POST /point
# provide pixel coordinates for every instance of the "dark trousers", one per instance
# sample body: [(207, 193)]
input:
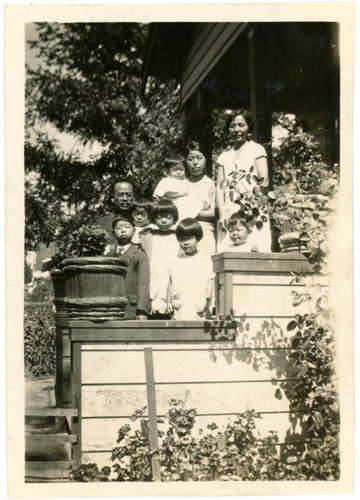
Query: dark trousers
[(130, 311)]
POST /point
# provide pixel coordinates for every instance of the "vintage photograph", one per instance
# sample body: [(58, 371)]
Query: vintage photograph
[(182, 181)]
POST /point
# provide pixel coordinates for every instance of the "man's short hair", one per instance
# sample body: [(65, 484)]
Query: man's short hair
[(122, 217), (123, 181)]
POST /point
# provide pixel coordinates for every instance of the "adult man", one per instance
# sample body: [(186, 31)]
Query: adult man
[(122, 200)]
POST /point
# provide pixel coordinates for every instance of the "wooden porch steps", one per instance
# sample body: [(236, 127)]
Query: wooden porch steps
[(48, 444), (45, 472)]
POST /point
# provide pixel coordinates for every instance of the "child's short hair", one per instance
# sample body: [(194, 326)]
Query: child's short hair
[(162, 207), (234, 219), (189, 227), (142, 203), (124, 217), (172, 160)]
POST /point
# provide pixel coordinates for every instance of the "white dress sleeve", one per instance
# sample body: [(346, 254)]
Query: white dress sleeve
[(161, 188), (258, 151)]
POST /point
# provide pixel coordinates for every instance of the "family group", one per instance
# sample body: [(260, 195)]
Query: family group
[(168, 241)]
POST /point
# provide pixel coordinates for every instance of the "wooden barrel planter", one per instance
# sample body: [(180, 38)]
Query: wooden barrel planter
[(95, 287), (58, 279)]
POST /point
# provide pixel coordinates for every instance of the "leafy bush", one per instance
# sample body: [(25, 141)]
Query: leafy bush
[(310, 217), (252, 203), (305, 190), (315, 390), (297, 159), (82, 241), (89, 473), (39, 329), (39, 340)]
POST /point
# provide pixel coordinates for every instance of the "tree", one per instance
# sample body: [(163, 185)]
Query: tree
[(88, 84)]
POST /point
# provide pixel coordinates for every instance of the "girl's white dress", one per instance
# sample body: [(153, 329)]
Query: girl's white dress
[(188, 205), (243, 159), (137, 232), (190, 277), (163, 252), (204, 191)]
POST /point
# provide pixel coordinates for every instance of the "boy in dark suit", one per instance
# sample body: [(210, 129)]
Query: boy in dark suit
[(137, 278)]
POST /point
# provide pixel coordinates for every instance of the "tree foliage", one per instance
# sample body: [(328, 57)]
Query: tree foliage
[(88, 84)]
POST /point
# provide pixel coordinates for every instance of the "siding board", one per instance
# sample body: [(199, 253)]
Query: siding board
[(206, 398), (179, 366)]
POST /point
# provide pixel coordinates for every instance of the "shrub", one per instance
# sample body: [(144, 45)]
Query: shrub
[(39, 340), (89, 473), (39, 329), (315, 390), (79, 239)]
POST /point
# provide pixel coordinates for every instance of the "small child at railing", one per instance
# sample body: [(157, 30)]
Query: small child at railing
[(191, 275), (141, 214), (175, 187), (238, 232)]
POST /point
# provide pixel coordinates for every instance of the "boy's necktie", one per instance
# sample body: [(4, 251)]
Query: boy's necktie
[(120, 250)]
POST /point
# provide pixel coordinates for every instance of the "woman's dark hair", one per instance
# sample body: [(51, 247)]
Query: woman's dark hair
[(162, 207), (142, 203), (196, 146), (234, 219), (172, 160), (189, 227), (247, 115)]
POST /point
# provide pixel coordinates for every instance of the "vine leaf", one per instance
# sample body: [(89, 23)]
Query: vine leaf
[(278, 393)]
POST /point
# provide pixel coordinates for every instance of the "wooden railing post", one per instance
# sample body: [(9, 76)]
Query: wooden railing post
[(151, 400), (76, 401)]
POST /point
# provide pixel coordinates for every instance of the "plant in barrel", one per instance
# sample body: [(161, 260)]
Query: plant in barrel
[(93, 286)]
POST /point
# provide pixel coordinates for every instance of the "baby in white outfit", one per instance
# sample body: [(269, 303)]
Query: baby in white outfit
[(238, 237), (175, 187)]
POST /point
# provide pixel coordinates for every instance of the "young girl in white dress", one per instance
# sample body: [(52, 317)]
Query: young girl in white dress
[(161, 246), (176, 188), (191, 275)]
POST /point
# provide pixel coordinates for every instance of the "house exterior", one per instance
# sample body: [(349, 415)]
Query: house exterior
[(290, 67)]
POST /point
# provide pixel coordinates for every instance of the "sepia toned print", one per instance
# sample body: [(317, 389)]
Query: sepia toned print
[(182, 258)]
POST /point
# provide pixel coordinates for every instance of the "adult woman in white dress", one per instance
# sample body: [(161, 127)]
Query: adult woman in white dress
[(203, 188), (250, 157)]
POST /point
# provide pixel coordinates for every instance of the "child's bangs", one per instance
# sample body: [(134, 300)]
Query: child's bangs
[(165, 207), (142, 203), (189, 227)]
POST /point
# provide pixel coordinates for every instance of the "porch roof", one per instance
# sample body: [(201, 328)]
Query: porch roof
[(294, 61)]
